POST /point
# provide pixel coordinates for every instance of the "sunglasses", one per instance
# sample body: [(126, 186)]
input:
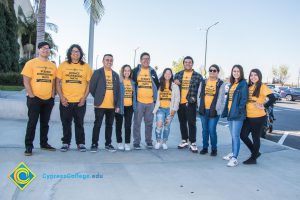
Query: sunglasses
[(213, 70)]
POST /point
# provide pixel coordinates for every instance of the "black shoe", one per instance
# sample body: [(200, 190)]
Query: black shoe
[(250, 161), (213, 152), (149, 145), (204, 151), (110, 148), (94, 148), (48, 147), (137, 146), (256, 156), (64, 148), (81, 148), (28, 151)]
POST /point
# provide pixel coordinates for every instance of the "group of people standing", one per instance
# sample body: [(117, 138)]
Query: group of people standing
[(138, 93)]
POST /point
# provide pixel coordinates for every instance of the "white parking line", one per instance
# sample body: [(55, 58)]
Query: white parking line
[(281, 141)]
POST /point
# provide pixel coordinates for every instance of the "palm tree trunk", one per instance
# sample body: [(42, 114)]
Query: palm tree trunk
[(91, 41), (41, 20)]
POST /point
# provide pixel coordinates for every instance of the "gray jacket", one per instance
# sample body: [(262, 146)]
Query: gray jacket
[(98, 87), (175, 99)]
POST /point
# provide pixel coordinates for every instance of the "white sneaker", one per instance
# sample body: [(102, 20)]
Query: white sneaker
[(194, 148), (164, 146), (232, 162), (157, 145), (228, 156), (127, 147), (120, 147)]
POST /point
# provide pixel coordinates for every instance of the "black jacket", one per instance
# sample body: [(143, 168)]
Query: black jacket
[(98, 87)]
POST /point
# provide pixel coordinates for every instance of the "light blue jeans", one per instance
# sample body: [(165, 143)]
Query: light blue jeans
[(235, 131), (163, 116)]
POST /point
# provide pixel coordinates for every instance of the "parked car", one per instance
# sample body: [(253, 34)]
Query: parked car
[(281, 88), (271, 86), (277, 95), (291, 94)]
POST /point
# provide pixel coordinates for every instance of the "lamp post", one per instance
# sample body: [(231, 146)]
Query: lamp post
[(135, 56), (206, 43), (97, 61)]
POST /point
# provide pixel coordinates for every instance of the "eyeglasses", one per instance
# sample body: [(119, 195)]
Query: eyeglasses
[(45, 49), (213, 70)]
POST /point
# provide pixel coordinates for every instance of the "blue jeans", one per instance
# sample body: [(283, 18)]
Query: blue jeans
[(235, 130), (163, 116), (209, 126)]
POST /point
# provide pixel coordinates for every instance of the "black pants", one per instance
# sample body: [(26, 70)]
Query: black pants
[(187, 116), (109, 120), (67, 114), (128, 112), (255, 126), (38, 108)]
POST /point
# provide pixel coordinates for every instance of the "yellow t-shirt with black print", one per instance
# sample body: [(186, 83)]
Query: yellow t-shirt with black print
[(252, 110), (74, 80), (145, 92), (185, 85), (165, 97), (42, 74), (108, 101), (127, 93), (210, 92), (230, 93)]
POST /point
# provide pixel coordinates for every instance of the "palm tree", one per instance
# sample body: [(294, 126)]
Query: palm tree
[(95, 9), (41, 21), (27, 27)]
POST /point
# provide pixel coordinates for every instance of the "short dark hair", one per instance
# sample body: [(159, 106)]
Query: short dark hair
[(144, 54), (110, 55), (215, 66), (188, 58), (41, 44), (242, 77), (122, 70), (69, 52)]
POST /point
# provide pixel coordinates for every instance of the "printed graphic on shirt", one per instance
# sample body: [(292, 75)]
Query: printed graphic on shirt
[(210, 91), (165, 97), (108, 101), (231, 92), (185, 85), (127, 93), (145, 92)]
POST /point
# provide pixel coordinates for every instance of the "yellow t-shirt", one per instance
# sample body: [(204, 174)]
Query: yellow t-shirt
[(145, 92), (127, 93), (210, 91), (165, 97), (108, 101), (252, 110), (186, 79), (231, 91), (74, 80), (42, 74)]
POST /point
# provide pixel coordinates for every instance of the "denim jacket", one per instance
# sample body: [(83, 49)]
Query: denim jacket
[(154, 79), (239, 99), (122, 93)]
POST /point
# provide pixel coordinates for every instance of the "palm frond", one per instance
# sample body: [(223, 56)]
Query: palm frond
[(94, 8), (52, 27)]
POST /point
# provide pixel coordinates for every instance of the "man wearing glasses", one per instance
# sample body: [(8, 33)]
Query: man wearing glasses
[(39, 81), (105, 88), (72, 86), (147, 84)]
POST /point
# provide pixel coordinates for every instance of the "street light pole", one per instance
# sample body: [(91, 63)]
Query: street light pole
[(97, 61), (206, 43), (135, 56)]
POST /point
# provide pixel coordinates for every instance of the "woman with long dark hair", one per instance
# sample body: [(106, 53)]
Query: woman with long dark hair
[(256, 115), (127, 107), (235, 111), (167, 104)]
